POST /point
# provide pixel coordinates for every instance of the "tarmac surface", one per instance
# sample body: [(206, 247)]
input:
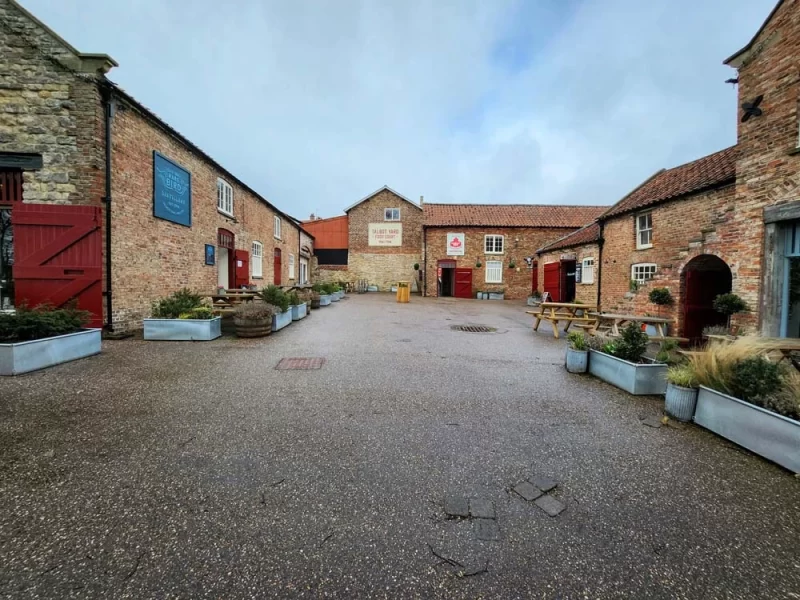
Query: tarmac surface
[(198, 470)]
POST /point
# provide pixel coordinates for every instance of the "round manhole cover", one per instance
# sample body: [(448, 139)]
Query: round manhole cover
[(474, 328)]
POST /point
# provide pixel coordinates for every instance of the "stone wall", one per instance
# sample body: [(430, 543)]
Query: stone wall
[(383, 266), (584, 292), (520, 242)]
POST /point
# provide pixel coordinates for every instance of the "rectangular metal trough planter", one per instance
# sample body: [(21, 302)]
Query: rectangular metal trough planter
[(766, 433), (298, 312), (324, 299), (639, 380), (23, 357), (281, 320), (495, 296), (183, 330)]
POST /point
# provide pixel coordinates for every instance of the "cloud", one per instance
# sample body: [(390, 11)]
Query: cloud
[(317, 103)]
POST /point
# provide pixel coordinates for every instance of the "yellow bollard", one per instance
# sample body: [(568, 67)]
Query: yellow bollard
[(403, 291)]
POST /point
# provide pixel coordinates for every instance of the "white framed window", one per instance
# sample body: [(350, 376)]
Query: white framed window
[(493, 244), (277, 227), (257, 259), (644, 231), (494, 271), (643, 272), (303, 270), (291, 266), (224, 197), (391, 214), (587, 270)]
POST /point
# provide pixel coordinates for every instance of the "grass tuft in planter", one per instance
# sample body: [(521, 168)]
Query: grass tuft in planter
[(681, 395), (577, 352)]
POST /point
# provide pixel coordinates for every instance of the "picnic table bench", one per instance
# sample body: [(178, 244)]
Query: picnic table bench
[(226, 303), (562, 311), (610, 324)]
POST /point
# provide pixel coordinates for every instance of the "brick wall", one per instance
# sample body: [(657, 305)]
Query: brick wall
[(383, 266), (152, 257), (520, 242), (584, 292)]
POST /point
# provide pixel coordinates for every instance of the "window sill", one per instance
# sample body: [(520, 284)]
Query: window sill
[(494, 253), (644, 247), (257, 277), (225, 214)]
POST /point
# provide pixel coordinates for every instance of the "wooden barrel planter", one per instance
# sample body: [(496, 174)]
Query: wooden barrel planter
[(251, 328)]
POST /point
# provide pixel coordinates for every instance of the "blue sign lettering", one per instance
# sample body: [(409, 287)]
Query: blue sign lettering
[(172, 191)]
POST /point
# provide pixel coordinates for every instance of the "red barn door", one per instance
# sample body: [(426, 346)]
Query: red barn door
[(552, 280), (242, 268), (276, 276), (463, 283), (58, 257)]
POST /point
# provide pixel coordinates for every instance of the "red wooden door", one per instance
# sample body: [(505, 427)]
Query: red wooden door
[(276, 273), (58, 257), (242, 262), (535, 277), (698, 307), (552, 280), (463, 283)]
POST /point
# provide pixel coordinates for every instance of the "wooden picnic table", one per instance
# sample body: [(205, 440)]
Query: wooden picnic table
[(613, 322), (562, 311), (228, 300)]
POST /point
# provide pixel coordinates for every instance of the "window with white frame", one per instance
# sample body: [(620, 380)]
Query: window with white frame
[(494, 271), (224, 197), (643, 272), (291, 266), (644, 231), (277, 231), (303, 270), (391, 214), (587, 270), (257, 259), (493, 244)]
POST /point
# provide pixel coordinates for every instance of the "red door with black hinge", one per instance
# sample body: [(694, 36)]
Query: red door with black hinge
[(276, 273), (58, 257), (552, 280), (242, 263), (463, 283)]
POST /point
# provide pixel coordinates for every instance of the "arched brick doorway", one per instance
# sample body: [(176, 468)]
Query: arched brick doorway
[(703, 278)]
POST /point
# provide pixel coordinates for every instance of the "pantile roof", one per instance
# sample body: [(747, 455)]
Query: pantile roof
[(509, 215)]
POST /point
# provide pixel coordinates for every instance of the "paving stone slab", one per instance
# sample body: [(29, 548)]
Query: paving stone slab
[(481, 508), (654, 422), (456, 506), (544, 483), (487, 530), (550, 505), (527, 490)]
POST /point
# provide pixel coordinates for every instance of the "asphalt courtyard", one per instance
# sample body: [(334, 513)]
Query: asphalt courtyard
[(198, 470)]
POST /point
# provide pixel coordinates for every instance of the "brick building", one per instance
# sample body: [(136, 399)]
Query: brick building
[(331, 242), (177, 218), (577, 252), (485, 247)]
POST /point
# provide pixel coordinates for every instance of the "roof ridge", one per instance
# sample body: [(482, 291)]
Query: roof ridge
[(567, 236), (496, 204), (697, 160)]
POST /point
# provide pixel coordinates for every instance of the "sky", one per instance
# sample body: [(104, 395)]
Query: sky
[(317, 103)]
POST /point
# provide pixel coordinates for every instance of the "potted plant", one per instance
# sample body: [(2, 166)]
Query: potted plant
[(274, 295), (729, 305), (32, 339), (324, 293), (253, 319), (297, 306), (512, 264), (333, 290), (182, 317), (499, 295), (577, 352), (315, 299), (749, 399), (681, 395), (621, 362), (478, 264)]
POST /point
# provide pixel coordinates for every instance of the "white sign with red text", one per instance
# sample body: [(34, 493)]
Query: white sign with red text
[(455, 244), (385, 234)]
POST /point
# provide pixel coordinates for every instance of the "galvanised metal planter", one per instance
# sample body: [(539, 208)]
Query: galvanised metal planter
[(298, 311), (281, 320), (766, 433), (341, 294), (23, 357), (335, 297), (183, 330), (493, 296), (324, 299), (637, 379), (577, 360), (680, 402)]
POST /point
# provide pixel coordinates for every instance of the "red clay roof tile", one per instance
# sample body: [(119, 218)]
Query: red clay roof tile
[(588, 234), (509, 215)]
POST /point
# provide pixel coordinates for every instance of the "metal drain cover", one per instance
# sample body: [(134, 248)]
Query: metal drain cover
[(300, 364), (473, 328)]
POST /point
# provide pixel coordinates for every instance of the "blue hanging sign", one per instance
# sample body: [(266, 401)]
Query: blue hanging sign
[(172, 191)]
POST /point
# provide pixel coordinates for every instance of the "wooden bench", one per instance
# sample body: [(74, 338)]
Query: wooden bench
[(553, 312)]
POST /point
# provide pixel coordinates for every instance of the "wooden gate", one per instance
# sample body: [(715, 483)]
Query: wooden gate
[(552, 280), (463, 283), (276, 273), (242, 268), (58, 257)]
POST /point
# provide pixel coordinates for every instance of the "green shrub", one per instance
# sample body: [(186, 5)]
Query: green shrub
[(729, 304), (661, 297), (633, 343), (755, 379), (294, 299), (668, 353), (577, 341), (682, 376), (181, 302), (201, 312), (41, 322), (255, 311), (274, 295), (319, 288)]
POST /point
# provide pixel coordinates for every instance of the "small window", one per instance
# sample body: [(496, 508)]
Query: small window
[(644, 231), (257, 261), (643, 272), (391, 214), (494, 271), (277, 232), (493, 244), (224, 197), (587, 270), (291, 266), (303, 271)]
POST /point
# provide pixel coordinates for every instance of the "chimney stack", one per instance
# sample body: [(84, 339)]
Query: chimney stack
[(422, 200)]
